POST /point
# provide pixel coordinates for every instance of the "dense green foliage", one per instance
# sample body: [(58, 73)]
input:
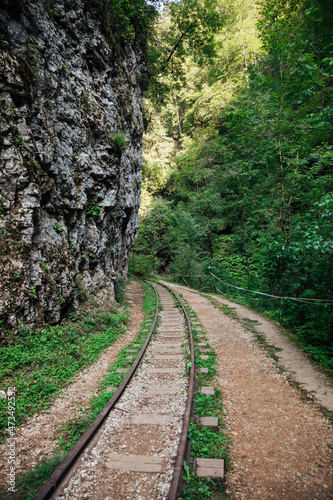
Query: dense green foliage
[(238, 171), (124, 20)]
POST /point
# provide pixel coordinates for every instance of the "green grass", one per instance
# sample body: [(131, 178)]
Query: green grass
[(197, 488), (41, 362), (207, 443), (29, 483)]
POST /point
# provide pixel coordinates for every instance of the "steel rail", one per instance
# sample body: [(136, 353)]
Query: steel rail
[(178, 470), (54, 480)]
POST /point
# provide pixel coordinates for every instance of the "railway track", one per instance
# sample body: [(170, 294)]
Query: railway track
[(136, 446)]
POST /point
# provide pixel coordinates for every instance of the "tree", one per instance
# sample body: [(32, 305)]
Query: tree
[(250, 168)]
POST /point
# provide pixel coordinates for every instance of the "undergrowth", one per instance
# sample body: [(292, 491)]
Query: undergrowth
[(29, 483), (39, 363)]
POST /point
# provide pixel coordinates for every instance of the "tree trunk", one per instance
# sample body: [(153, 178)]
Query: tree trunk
[(210, 240), (245, 247)]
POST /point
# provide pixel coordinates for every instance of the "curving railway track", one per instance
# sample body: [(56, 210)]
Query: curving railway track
[(136, 446)]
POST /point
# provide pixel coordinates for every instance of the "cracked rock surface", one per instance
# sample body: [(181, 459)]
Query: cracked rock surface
[(71, 139)]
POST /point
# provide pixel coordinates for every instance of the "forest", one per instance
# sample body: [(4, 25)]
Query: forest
[(237, 176), (236, 192)]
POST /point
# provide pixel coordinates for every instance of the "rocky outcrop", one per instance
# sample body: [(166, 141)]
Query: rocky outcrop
[(70, 132)]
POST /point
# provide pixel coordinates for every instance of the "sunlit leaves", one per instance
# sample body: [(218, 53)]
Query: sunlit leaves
[(251, 182)]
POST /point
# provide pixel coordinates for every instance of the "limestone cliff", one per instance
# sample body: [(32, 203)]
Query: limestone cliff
[(70, 136)]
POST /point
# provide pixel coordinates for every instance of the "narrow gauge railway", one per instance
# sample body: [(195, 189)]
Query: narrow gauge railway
[(136, 446)]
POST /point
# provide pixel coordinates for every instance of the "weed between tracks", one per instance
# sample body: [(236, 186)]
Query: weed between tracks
[(205, 442), (29, 483)]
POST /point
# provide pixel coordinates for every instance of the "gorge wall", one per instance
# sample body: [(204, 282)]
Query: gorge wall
[(70, 137)]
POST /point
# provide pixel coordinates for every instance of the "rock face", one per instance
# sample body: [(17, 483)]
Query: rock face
[(70, 136)]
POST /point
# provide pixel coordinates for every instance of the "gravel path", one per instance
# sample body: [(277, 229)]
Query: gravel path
[(37, 437), (282, 444), (129, 430)]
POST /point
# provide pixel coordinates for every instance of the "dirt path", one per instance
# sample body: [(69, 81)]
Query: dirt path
[(282, 444), (37, 437), (296, 364)]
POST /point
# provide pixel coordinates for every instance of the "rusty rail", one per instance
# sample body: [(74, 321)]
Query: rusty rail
[(178, 470), (54, 480)]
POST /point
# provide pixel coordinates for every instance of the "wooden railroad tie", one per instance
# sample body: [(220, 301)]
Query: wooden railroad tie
[(153, 419), (161, 371), (167, 345), (136, 463), (208, 390), (209, 422), (210, 467), (161, 391), (167, 331), (203, 370), (171, 357), (169, 337)]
